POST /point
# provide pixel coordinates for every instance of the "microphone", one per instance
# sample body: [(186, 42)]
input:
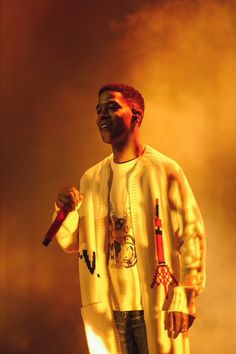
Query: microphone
[(52, 231)]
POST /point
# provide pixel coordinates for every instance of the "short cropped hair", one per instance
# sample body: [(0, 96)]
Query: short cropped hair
[(128, 92)]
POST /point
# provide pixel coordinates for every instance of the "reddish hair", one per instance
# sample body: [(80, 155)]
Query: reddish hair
[(128, 92)]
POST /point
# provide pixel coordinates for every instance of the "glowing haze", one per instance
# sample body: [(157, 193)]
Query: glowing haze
[(181, 56)]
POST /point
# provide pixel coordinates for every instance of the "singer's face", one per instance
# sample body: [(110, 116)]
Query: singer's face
[(114, 118)]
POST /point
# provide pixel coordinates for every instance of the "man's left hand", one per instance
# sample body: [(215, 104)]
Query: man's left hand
[(178, 322)]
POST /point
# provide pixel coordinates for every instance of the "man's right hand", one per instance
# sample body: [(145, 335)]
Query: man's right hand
[(69, 198)]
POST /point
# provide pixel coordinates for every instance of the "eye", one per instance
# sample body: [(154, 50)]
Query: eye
[(113, 106), (98, 109)]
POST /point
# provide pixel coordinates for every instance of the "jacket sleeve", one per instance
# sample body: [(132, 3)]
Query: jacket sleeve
[(68, 235), (190, 237)]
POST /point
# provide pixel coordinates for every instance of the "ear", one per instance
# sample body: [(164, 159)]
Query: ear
[(137, 116)]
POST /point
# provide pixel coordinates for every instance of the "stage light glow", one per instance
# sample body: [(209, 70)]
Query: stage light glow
[(96, 344)]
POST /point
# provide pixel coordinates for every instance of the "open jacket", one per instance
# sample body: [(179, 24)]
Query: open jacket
[(154, 176)]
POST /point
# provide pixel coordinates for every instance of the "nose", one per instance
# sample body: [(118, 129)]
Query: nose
[(102, 117), (103, 114)]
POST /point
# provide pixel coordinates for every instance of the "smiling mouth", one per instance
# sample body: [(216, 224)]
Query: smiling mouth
[(105, 126)]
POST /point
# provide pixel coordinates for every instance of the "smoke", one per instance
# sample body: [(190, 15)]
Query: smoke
[(181, 55)]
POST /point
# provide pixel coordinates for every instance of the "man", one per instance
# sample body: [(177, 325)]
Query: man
[(111, 225)]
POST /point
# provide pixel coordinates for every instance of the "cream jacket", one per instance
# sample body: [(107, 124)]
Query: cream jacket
[(154, 176)]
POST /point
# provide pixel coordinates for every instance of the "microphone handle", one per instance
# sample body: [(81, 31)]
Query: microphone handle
[(52, 231)]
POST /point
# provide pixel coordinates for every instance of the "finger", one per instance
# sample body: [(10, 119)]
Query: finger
[(77, 198), (185, 323), (69, 191), (74, 192), (81, 196), (191, 320), (171, 325), (78, 201), (69, 198), (177, 323)]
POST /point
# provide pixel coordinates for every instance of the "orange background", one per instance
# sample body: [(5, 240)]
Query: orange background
[(54, 57)]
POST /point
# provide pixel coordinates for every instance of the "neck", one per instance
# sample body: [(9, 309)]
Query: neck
[(127, 150)]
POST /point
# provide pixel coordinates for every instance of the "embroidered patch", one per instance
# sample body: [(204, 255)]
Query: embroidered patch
[(162, 275), (121, 249), (91, 266)]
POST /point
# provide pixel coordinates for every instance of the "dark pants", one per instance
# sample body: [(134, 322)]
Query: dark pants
[(132, 331)]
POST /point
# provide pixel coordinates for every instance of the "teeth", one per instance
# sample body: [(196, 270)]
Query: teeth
[(104, 126)]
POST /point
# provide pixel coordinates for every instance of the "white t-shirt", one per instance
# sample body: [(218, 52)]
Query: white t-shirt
[(122, 258)]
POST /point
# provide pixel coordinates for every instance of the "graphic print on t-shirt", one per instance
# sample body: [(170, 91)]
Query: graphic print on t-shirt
[(122, 252)]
